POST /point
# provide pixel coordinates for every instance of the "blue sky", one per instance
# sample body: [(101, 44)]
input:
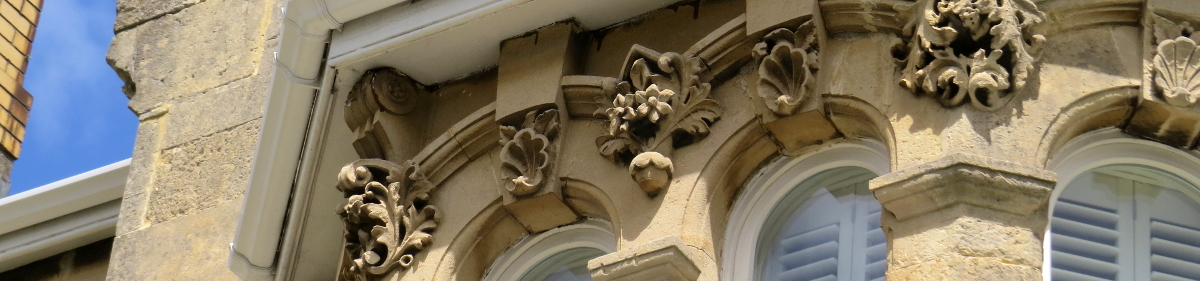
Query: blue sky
[(79, 120)]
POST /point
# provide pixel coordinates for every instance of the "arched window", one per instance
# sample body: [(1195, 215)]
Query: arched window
[(1125, 209), (810, 218), (559, 254)]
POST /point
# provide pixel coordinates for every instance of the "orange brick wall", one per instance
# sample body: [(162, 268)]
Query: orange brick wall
[(17, 28)]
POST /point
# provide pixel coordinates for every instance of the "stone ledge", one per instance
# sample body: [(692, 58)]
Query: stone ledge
[(964, 179), (666, 258)]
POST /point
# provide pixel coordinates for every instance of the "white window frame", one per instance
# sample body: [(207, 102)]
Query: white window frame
[(771, 184), (531, 250), (1109, 147)]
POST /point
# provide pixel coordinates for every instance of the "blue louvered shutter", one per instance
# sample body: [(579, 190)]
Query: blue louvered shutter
[(1124, 226), (833, 235)]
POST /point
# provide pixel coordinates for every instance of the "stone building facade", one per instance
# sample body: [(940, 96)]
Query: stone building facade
[(652, 140)]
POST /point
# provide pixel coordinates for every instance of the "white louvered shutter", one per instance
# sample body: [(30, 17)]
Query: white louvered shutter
[(833, 235), (1118, 226)]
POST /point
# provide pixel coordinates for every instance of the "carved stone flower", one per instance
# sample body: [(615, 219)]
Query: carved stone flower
[(1177, 71), (653, 103)]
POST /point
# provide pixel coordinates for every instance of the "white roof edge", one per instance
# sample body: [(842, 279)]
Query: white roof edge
[(62, 215), (78, 192)]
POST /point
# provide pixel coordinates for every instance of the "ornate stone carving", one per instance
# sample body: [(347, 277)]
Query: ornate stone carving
[(1176, 62), (661, 103), (380, 90), (526, 152), (388, 218), (976, 51), (787, 67)]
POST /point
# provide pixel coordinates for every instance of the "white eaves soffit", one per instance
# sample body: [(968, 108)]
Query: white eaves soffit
[(433, 41)]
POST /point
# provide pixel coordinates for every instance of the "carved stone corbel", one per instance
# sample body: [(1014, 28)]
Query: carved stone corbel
[(376, 102), (530, 188), (1167, 109), (387, 216), (661, 103), (787, 86), (970, 51)]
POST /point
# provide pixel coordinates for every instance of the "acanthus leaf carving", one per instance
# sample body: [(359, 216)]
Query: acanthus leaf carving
[(663, 104), (1176, 62), (387, 217), (788, 62), (971, 51), (526, 152)]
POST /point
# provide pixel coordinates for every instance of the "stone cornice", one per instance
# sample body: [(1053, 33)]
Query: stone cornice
[(964, 179)]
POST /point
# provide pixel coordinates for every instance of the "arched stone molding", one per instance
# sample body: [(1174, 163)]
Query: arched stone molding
[(531, 250), (1106, 147), (1099, 110), (493, 230), (755, 202)]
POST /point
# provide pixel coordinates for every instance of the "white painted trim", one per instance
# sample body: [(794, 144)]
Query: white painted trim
[(436, 41), (61, 216), (771, 184), (1108, 147), (531, 250)]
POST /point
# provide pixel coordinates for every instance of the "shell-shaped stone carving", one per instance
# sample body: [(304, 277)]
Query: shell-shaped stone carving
[(387, 216), (786, 72), (1177, 71), (526, 151)]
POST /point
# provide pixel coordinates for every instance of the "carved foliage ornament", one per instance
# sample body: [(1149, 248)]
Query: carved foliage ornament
[(1176, 62), (663, 104), (976, 51), (387, 216), (526, 151), (787, 68)]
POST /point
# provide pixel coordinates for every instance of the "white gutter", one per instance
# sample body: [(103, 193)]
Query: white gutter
[(61, 216), (298, 63)]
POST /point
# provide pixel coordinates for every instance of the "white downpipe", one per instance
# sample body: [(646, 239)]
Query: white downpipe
[(288, 114)]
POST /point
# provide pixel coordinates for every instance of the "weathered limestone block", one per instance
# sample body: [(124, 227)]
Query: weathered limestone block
[(194, 247), (666, 258), (215, 110), (134, 12), (201, 47), (531, 68), (141, 175), (963, 217), (202, 173)]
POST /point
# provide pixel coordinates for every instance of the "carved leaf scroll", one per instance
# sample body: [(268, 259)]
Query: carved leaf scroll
[(663, 103), (788, 63), (387, 216), (971, 51), (526, 151), (1176, 62)]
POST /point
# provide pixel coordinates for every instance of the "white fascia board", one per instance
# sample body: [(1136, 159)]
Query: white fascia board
[(436, 41), (61, 216), (63, 197)]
